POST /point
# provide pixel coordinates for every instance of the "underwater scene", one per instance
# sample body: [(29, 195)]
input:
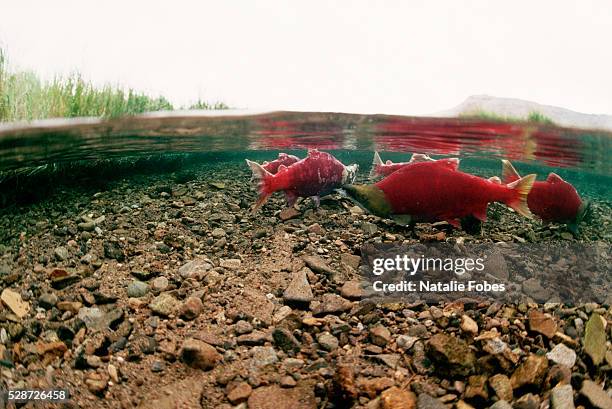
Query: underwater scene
[(249, 261)]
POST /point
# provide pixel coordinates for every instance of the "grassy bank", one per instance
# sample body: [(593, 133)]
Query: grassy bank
[(534, 116), (24, 96)]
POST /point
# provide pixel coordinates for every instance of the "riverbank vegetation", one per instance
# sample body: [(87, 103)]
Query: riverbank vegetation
[(24, 96), (533, 116)]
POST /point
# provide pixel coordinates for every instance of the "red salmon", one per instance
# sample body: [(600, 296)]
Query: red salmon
[(429, 192), (380, 168), (314, 176), (553, 200)]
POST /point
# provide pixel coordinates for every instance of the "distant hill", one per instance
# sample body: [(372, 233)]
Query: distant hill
[(520, 109)]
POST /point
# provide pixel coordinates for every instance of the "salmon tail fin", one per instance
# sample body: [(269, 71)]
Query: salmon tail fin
[(509, 174), (521, 188), (263, 179), (376, 162)]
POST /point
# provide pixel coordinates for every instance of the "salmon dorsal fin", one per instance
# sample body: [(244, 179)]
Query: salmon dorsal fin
[(313, 152), (454, 162), (554, 178), (420, 157), (509, 174), (388, 162), (282, 155), (377, 160)]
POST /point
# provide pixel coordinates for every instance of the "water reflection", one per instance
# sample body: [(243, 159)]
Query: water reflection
[(138, 136)]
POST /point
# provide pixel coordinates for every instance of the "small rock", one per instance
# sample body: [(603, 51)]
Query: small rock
[(530, 373), (164, 305), (332, 304), (113, 373), (318, 265), (191, 308), (12, 300), (263, 356), (195, 269), (87, 226), (239, 393), (596, 395), (218, 232), (562, 355), (298, 291), (274, 397), (477, 387), (96, 383), (113, 250), (380, 335), (327, 341), (350, 260), (562, 397), (369, 228), (469, 325), (502, 387), (47, 300), (287, 382), (284, 339), (595, 339), (527, 401), (137, 289), (61, 253), (288, 213), (159, 284), (406, 341), (199, 354), (429, 402), (217, 185), (352, 290), (157, 366), (501, 404), (243, 327), (542, 324), (451, 354), (396, 398), (72, 306)]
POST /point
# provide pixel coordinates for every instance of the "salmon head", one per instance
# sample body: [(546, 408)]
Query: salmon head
[(369, 197)]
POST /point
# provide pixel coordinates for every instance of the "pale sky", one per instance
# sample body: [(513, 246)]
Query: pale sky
[(397, 57)]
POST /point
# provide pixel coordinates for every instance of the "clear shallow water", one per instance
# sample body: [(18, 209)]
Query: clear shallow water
[(579, 156)]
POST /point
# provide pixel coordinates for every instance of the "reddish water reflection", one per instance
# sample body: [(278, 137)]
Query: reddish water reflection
[(438, 136)]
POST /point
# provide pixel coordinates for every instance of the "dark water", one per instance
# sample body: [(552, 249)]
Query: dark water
[(581, 157)]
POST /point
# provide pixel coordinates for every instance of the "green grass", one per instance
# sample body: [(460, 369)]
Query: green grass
[(534, 117), (24, 96)]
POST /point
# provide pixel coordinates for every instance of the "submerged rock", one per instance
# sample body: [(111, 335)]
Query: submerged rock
[(13, 301), (542, 324), (530, 373), (562, 355), (596, 395), (451, 355), (298, 291), (199, 354), (595, 339), (274, 397), (164, 305)]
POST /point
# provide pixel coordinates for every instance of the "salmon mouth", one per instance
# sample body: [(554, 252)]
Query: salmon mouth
[(585, 213)]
